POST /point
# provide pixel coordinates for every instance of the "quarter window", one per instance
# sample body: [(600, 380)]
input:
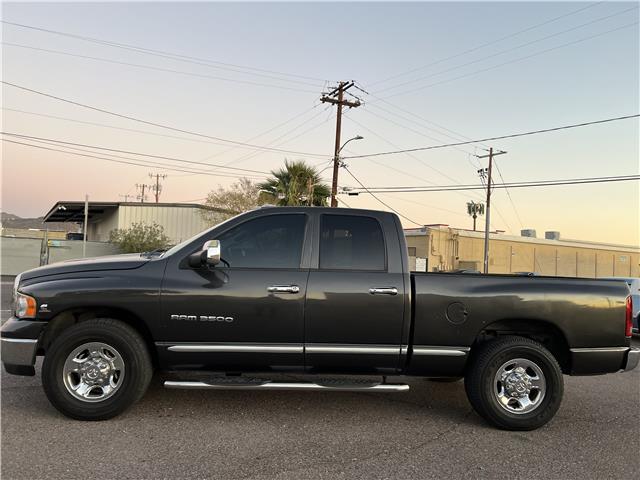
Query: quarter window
[(272, 241), (351, 243)]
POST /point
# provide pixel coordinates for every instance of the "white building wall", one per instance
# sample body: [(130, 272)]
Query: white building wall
[(100, 231), (180, 223)]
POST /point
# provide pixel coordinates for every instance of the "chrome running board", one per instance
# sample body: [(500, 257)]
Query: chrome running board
[(252, 384)]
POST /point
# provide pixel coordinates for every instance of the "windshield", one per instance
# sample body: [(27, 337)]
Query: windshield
[(186, 242)]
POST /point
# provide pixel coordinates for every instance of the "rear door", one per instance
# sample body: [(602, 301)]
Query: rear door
[(355, 295)]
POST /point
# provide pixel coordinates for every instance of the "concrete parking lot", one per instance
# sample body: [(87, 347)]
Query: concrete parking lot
[(428, 432)]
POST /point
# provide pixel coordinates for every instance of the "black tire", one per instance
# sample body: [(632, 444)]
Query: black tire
[(138, 368), (480, 382)]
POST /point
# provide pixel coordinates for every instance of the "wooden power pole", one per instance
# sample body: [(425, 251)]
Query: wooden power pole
[(336, 97), (157, 188), (487, 215)]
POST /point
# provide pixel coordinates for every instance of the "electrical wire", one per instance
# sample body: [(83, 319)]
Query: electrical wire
[(486, 44), (528, 184), (515, 60), (513, 205), (265, 133), (164, 54), (136, 163), (501, 137), (378, 199), (511, 49), (275, 142), (154, 68), (146, 122), (129, 152)]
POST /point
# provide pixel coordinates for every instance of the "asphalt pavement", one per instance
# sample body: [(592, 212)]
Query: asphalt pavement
[(428, 432)]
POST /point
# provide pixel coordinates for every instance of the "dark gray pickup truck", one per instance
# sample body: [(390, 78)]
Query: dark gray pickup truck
[(325, 294)]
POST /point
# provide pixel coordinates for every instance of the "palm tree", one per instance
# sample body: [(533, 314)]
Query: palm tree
[(296, 184)]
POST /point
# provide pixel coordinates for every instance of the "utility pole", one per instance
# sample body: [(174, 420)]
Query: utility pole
[(141, 188), (487, 218), (86, 221), (157, 188), (126, 197), (336, 97)]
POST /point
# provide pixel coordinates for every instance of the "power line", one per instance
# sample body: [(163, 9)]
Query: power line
[(146, 122), (519, 59), (511, 49), (266, 132), (502, 137), (164, 54), (419, 160), (158, 69), (418, 132), (378, 199), (528, 184), (129, 152), (147, 164), (509, 195), (275, 141), (492, 42), (255, 154), (164, 135)]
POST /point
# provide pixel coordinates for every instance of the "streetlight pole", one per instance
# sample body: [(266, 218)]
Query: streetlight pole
[(336, 166)]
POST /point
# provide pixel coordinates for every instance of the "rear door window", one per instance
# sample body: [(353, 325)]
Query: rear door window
[(350, 242)]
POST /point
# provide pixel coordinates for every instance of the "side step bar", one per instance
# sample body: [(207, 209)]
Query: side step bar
[(268, 385)]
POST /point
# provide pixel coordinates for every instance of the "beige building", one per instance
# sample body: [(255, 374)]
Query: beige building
[(441, 248), (179, 220)]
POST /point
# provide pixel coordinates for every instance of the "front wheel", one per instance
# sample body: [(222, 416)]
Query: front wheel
[(515, 383), (96, 369)]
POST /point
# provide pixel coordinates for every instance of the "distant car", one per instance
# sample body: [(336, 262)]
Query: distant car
[(634, 285), (75, 236)]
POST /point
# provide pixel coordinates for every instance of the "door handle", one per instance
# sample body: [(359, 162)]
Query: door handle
[(383, 291), (283, 289)]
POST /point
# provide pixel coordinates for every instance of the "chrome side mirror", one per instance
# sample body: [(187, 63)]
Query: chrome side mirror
[(211, 251)]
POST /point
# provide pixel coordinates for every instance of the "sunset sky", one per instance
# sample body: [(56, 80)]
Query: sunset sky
[(435, 73)]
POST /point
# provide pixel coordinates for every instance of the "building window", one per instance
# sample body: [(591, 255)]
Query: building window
[(412, 251)]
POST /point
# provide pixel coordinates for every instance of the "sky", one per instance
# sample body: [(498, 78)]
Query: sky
[(434, 73)]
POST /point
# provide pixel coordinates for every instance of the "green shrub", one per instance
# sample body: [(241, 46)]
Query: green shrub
[(140, 237)]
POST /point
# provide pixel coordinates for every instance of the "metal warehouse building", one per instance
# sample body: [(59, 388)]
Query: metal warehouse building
[(441, 248), (179, 220)]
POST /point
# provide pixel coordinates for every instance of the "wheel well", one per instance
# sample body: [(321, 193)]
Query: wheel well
[(544, 332), (70, 317)]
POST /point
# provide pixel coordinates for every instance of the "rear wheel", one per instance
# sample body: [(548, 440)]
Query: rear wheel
[(515, 383), (96, 369)]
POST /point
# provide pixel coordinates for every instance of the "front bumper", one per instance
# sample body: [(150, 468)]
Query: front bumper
[(633, 357), (19, 345)]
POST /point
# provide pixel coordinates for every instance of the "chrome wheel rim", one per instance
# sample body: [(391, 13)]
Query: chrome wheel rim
[(93, 372), (519, 386)]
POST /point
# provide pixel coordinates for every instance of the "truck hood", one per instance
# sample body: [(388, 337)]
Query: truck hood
[(111, 262)]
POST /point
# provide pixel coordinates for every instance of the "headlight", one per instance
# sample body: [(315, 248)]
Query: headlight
[(25, 306)]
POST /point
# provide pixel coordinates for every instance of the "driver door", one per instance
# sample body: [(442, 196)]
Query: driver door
[(247, 312)]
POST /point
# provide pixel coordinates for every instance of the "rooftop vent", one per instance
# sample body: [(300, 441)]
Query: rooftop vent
[(552, 235), (528, 232)]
